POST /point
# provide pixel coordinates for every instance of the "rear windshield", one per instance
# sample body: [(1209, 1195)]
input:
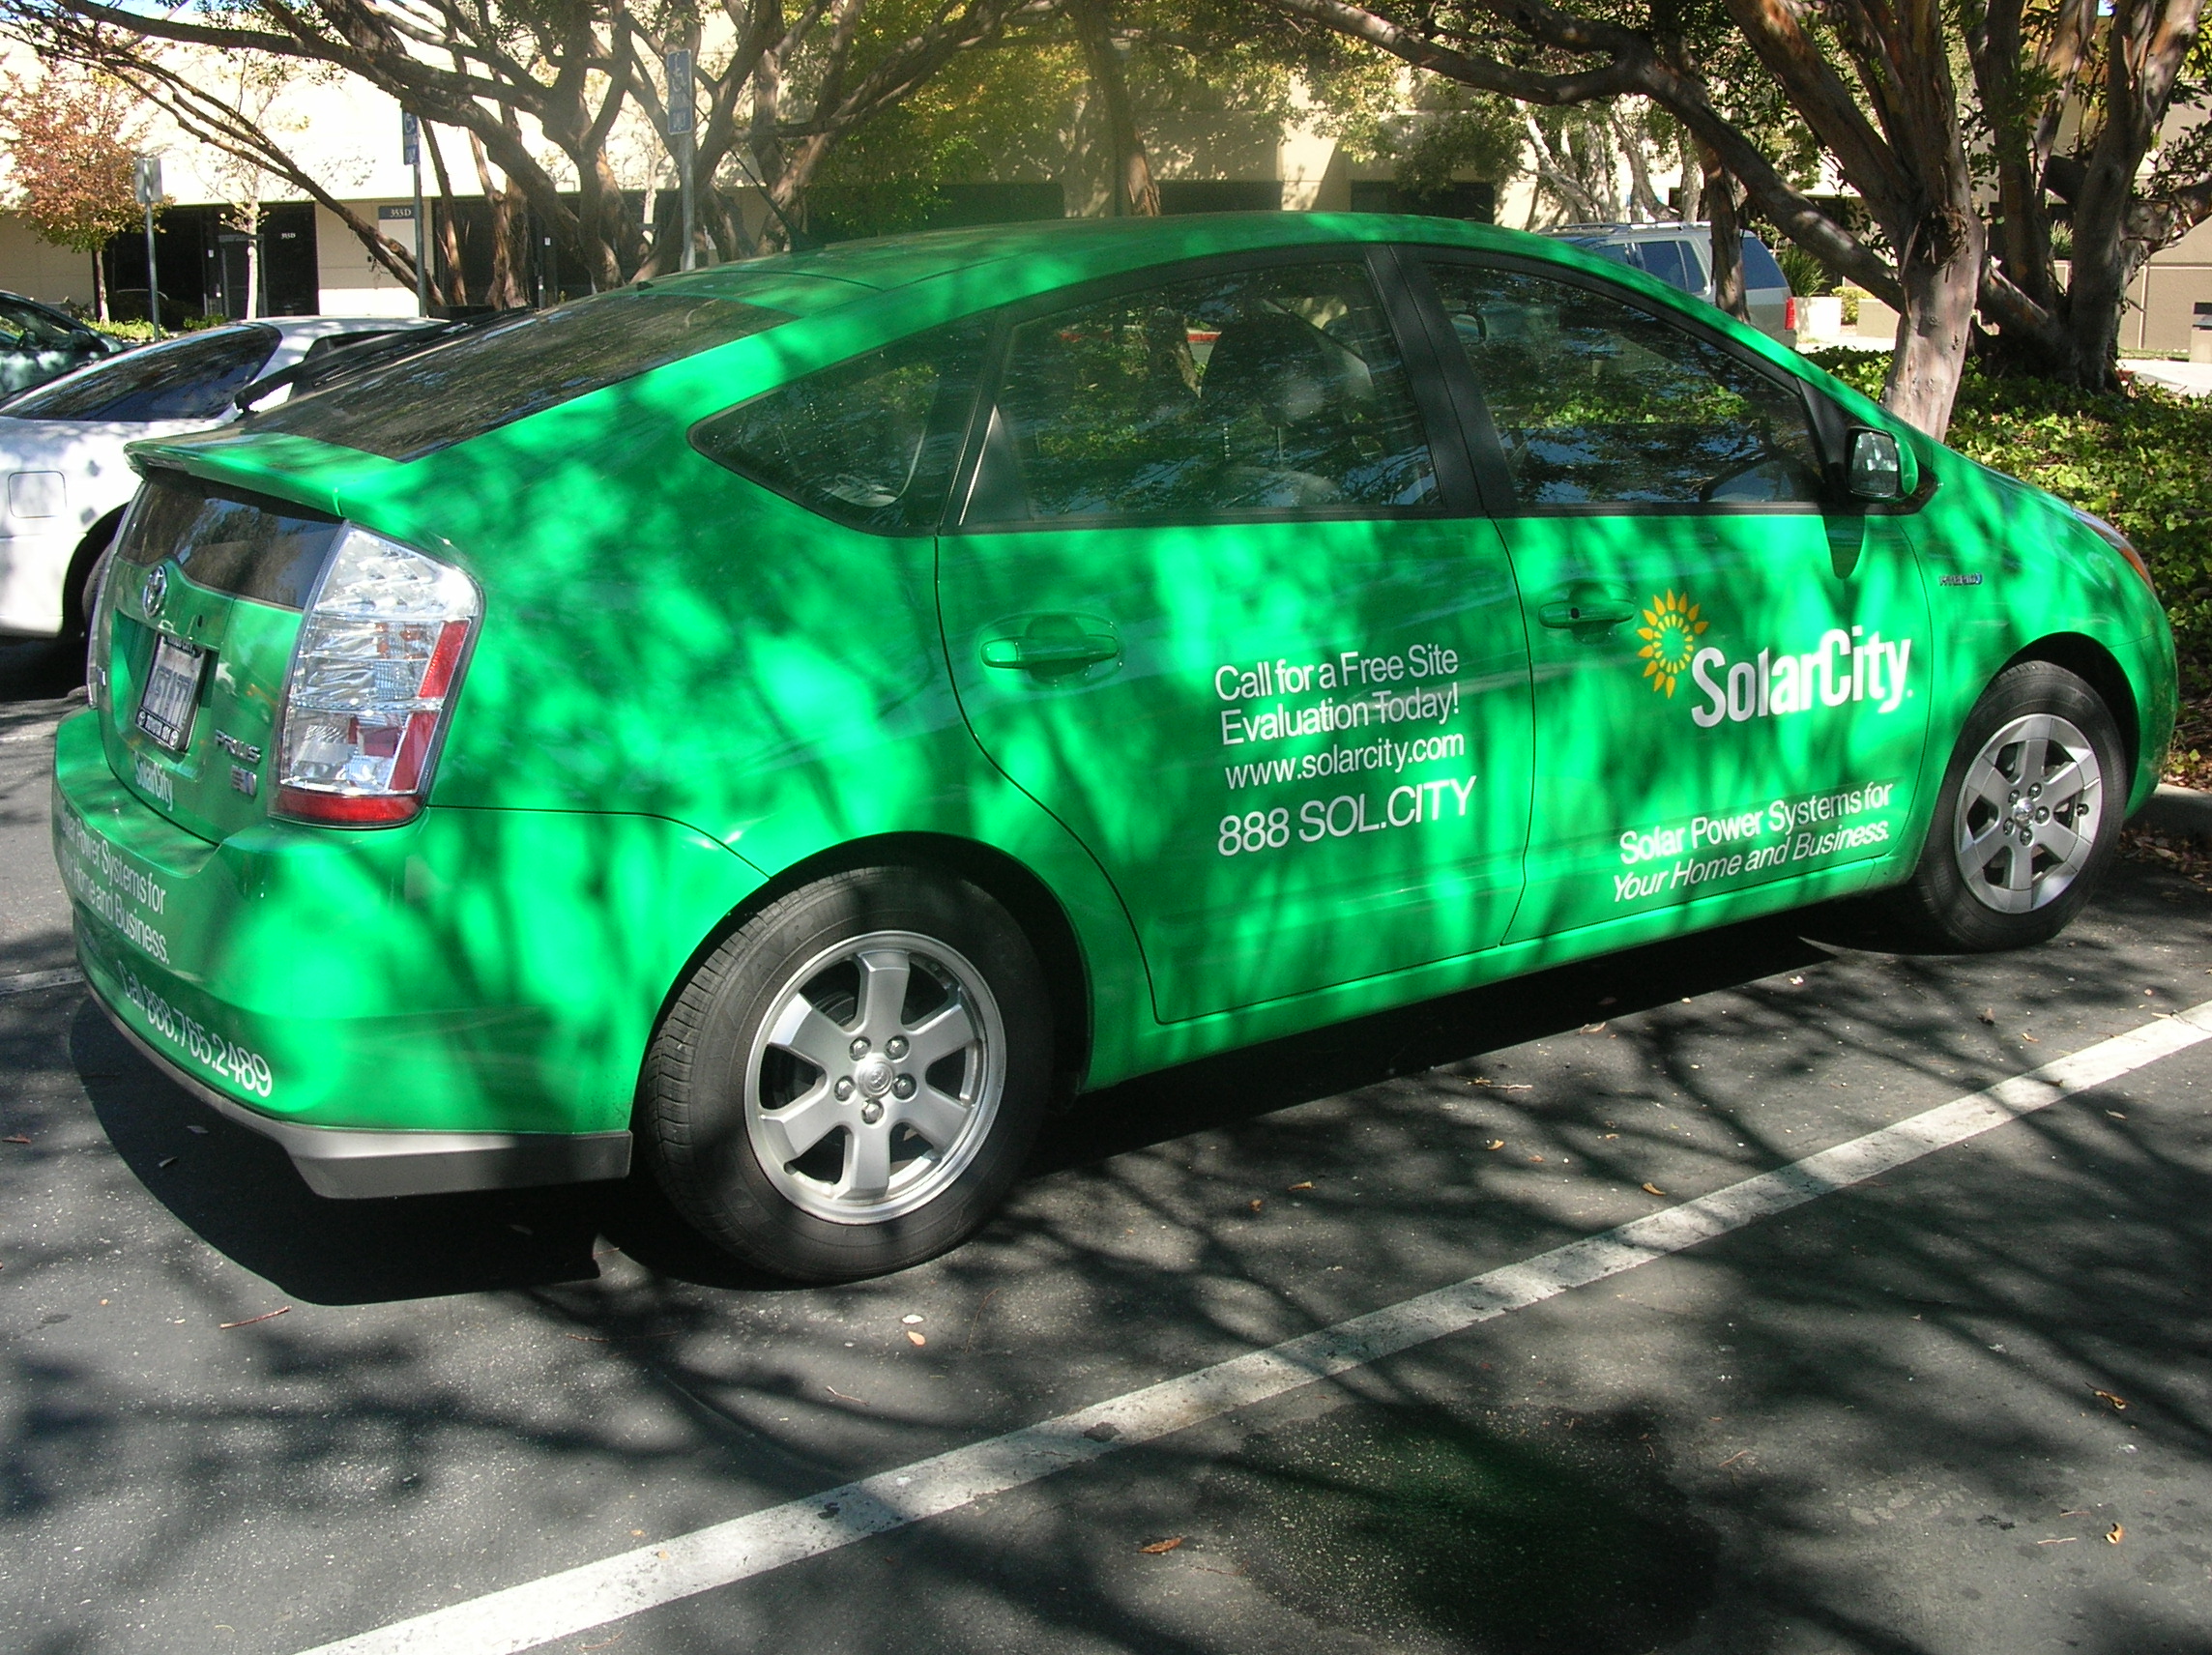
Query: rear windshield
[(448, 395), (266, 550), (186, 379), (1759, 267)]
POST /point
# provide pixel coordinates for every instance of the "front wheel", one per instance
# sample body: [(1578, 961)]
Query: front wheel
[(2028, 818), (849, 1084)]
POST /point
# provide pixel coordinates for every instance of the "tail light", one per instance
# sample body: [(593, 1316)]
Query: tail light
[(372, 684), (97, 647), (1790, 314)]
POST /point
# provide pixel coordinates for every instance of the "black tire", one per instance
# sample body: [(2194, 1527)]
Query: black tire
[(79, 587), (725, 1097), (1981, 885)]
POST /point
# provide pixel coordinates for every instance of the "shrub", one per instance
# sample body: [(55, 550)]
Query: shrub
[(2136, 459)]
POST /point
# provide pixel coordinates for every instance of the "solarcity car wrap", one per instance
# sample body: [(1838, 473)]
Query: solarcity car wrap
[(803, 716)]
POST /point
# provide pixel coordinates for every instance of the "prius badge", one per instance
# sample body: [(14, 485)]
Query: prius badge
[(157, 589)]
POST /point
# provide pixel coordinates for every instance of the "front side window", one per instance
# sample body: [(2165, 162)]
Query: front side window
[(1599, 403), (1256, 391), (871, 441), (185, 379)]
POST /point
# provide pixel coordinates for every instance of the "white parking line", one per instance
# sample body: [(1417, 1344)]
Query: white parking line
[(29, 982), (577, 1600)]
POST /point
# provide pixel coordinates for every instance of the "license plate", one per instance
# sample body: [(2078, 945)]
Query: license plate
[(172, 689)]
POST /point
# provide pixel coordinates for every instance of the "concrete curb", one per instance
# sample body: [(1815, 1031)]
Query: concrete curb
[(2180, 810)]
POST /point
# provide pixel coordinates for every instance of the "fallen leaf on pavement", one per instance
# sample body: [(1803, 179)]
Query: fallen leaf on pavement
[(2115, 1114), (17, 1138), (1989, 1017), (1495, 1144), (2117, 1402), (198, 1131), (1535, 1157), (2063, 1540), (1591, 1029), (267, 1314), (1653, 1189), (2116, 1534), (1301, 1184), (2030, 1038), (913, 1338), (911, 1319), (1257, 1203), (166, 1161), (1159, 1546)]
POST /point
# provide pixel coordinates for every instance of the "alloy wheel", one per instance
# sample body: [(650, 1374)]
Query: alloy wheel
[(2029, 808), (875, 1079)]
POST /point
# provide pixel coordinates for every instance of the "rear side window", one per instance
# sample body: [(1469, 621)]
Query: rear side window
[(871, 441), (186, 379), (1667, 261), (448, 395), (1598, 403), (265, 550)]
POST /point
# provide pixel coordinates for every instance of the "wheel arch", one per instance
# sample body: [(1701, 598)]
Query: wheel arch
[(2095, 665), (96, 540), (1014, 887)]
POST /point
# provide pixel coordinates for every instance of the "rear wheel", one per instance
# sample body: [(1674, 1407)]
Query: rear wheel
[(2028, 818), (849, 1084)]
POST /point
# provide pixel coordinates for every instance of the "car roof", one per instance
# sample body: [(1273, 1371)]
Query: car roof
[(43, 307)]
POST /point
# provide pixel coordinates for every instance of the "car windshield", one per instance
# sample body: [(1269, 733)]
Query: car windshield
[(437, 397), (35, 329), (186, 379)]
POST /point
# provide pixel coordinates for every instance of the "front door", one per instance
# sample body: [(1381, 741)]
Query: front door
[(1730, 668), (1210, 604)]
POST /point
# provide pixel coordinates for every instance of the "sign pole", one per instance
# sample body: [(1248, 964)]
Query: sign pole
[(411, 151), (682, 135), (146, 184)]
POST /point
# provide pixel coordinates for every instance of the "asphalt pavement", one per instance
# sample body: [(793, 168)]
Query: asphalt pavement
[(1963, 1405)]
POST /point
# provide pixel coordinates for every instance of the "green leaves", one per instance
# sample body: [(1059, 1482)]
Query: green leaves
[(2135, 460)]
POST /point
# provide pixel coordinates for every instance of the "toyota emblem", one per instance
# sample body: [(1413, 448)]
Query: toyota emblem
[(157, 589)]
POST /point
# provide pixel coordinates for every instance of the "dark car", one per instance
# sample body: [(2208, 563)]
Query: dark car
[(39, 342)]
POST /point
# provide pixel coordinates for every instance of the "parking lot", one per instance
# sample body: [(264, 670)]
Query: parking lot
[(1946, 1393)]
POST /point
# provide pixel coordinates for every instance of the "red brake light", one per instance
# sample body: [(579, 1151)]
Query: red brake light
[(372, 684), (1790, 314)]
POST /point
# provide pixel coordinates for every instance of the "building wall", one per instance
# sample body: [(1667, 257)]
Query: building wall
[(37, 268), (351, 282), (2165, 293)]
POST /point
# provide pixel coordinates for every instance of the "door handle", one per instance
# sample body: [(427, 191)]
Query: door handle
[(1052, 642), (1588, 609)]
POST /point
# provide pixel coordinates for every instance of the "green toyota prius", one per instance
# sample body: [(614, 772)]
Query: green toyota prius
[(802, 721)]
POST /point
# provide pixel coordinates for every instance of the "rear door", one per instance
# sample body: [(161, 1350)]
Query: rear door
[(1730, 664), (1213, 600)]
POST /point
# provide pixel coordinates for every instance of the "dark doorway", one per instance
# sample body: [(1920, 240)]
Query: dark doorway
[(1456, 200), (201, 259), (1220, 195)]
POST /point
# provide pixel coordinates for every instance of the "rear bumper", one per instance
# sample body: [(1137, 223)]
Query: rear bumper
[(349, 1163)]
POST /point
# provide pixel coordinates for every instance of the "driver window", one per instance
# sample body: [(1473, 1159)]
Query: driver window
[(1256, 391), (1596, 402)]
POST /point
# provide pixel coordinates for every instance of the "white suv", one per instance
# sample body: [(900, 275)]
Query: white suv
[(1681, 256)]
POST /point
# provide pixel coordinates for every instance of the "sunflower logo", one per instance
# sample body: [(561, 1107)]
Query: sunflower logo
[(1670, 633)]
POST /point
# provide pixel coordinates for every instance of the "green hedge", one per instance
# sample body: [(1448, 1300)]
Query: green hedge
[(2142, 460)]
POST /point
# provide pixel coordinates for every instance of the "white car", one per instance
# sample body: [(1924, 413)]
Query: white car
[(61, 449)]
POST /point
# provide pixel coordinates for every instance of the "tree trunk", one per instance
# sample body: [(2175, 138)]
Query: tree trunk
[(454, 288), (99, 286), (1724, 205), (1135, 194), (510, 247), (1941, 273)]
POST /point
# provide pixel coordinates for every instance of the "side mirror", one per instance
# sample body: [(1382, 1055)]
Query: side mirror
[(1878, 467)]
